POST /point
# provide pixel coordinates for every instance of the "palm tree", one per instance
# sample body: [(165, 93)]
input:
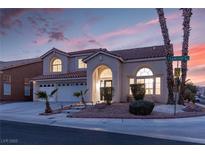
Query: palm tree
[(81, 94), (186, 13), (169, 52), (44, 96)]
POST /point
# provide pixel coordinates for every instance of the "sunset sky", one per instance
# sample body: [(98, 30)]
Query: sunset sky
[(29, 33)]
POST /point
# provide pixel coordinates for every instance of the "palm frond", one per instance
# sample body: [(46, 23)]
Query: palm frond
[(85, 91), (42, 95), (53, 92), (77, 94)]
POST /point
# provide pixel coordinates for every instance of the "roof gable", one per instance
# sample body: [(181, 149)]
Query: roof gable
[(54, 50), (104, 52)]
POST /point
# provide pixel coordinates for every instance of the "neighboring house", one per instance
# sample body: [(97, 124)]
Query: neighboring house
[(97, 68), (15, 78), (201, 91)]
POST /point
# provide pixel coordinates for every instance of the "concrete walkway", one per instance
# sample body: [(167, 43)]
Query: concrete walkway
[(182, 129)]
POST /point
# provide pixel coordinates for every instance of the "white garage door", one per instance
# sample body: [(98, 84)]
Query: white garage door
[(48, 90), (65, 91)]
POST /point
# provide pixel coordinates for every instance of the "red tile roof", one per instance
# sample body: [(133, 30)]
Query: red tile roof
[(141, 53), (87, 51), (70, 75), (125, 54), (136, 53)]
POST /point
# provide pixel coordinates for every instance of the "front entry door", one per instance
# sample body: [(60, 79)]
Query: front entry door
[(103, 84)]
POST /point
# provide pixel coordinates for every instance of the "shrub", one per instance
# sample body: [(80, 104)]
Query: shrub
[(138, 91), (108, 94), (190, 92), (141, 107)]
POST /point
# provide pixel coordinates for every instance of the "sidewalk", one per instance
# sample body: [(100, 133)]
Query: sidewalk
[(183, 129)]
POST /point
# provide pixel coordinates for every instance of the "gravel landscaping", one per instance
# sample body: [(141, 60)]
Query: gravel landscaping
[(121, 110)]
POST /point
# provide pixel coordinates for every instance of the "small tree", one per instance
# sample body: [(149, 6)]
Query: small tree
[(108, 94), (190, 92), (81, 94), (44, 96), (138, 91)]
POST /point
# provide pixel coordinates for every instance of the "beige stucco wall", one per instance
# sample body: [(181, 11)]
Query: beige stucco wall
[(114, 65), (158, 68), (123, 71), (47, 61), (69, 64)]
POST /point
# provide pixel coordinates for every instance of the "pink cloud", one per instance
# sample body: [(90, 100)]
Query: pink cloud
[(41, 41), (99, 40)]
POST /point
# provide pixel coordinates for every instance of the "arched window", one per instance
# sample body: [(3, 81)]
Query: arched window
[(106, 73), (144, 76), (144, 72), (56, 65), (152, 82)]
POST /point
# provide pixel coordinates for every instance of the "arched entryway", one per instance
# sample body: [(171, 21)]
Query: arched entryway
[(101, 78)]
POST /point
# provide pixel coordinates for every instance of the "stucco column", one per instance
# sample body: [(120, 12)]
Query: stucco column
[(116, 80), (89, 85), (35, 90)]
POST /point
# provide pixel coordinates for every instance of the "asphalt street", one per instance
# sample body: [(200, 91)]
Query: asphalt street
[(35, 134)]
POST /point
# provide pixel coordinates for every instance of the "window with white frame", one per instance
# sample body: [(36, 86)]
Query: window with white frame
[(27, 87), (152, 83), (145, 76), (131, 81), (7, 89), (6, 84), (81, 64), (144, 72), (148, 85), (157, 85), (56, 65)]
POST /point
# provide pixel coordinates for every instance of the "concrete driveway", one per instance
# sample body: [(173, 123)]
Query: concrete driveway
[(29, 110), (181, 129)]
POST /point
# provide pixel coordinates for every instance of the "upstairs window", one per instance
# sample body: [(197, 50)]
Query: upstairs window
[(7, 78), (81, 64), (56, 65)]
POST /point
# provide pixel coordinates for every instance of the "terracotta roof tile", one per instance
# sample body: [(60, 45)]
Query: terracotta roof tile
[(87, 51), (70, 75), (141, 53)]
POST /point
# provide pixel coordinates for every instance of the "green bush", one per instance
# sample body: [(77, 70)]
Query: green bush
[(138, 91), (108, 94), (190, 92), (141, 107)]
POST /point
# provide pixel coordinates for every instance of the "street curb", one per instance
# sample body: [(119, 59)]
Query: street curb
[(51, 122)]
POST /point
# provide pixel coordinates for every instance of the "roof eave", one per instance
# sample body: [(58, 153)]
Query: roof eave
[(102, 52), (56, 51)]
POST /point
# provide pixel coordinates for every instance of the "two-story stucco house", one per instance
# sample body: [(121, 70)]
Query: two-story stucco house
[(96, 68)]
